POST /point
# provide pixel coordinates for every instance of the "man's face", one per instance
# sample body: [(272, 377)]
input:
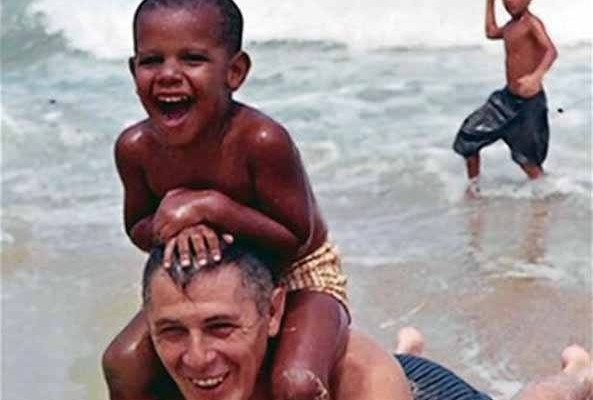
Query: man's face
[(210, 337), (180, 69), (516, 7)]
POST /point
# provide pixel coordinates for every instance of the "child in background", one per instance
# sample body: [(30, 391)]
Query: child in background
[(518, 113)]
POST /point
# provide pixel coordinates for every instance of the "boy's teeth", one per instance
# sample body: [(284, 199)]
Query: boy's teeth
[(173, 99), (207, 383)]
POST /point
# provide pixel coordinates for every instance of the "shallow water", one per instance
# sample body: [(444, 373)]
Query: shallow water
[(498, 285)]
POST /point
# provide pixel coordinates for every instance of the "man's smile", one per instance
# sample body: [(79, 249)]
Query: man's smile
[(210, 382)]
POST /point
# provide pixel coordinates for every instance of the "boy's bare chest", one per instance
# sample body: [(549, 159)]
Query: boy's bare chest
[(517, 36), (224, 171)]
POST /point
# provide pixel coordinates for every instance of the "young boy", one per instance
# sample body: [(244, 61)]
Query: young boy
[(517, 113), (202, 165)]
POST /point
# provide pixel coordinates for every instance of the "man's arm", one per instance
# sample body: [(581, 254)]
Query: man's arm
[(493, 31), (139, 201), (550, 54)]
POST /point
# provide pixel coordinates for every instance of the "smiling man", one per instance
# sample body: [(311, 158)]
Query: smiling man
[(213, 329)]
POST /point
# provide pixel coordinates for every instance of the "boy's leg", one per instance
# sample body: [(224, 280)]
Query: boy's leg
[(529, 138), (132, 368), (473, 166), (532, 171), (313, 336), (473, 171)]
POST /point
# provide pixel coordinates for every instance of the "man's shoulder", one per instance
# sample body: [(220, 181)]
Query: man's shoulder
[(261, 132), (367, 371)]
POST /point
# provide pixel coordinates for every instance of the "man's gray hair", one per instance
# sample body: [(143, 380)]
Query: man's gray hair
[(255, 273)]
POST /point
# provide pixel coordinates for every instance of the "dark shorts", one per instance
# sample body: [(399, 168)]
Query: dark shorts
[(521, 123), (430, 381)]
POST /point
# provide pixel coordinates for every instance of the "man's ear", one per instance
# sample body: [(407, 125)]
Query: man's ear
[(239, 67), (276, 311), (132, 66)]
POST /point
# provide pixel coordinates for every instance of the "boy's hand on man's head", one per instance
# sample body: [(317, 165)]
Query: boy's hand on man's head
[(180, 209), (200, 241), (529, 85)]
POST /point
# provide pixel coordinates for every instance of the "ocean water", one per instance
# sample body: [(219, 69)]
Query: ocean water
[(373, 93)]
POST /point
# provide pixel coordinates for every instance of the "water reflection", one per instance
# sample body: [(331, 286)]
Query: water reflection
[(495, 228)]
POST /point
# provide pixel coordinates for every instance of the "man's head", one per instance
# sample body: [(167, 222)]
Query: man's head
[(210, 326), (516, 7), (187, 63)]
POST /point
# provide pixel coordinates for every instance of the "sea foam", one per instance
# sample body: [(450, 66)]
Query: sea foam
[(104, 29)]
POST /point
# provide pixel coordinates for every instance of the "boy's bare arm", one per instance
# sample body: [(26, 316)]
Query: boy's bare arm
[(282, 185), (493, 31), (139, 202), (183, 208), (283, 215), (531, 84), (550, 55)]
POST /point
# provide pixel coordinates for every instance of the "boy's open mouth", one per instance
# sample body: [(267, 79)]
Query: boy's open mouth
[(174, 107)]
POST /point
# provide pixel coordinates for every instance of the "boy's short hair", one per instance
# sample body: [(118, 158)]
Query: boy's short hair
[(231, 21)]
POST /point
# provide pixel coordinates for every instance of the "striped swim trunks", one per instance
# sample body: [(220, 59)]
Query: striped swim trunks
[(430, 381)]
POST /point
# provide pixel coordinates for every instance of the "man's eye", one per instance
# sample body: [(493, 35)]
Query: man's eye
[(222, 330), (171, 332)]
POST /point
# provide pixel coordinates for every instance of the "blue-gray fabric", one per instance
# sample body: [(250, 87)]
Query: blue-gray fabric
[(431, 381), (521, 123)]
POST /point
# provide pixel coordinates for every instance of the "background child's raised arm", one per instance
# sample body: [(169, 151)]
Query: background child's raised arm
[(493, 31)]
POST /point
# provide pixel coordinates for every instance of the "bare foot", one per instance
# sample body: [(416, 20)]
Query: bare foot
[(576, 362), (533, 171), (573, 383), (473, 189), (409, 341)]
